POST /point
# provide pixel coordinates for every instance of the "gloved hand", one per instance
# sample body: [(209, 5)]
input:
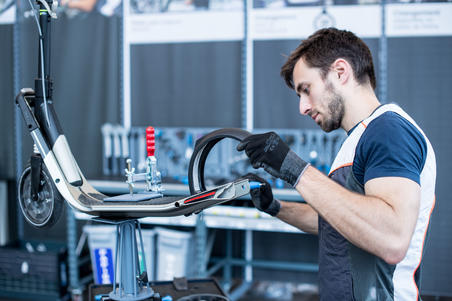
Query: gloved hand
[(262, 197), (274, 155)]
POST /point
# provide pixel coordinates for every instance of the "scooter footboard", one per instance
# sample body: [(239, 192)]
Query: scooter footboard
[(88, 200), (173, 206)]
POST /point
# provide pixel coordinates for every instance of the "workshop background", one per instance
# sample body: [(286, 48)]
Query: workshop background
[(117, 68)]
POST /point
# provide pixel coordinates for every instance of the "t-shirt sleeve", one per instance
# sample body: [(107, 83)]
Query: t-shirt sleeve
[(390, 147)]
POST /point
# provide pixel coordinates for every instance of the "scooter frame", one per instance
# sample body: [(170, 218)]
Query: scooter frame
[(42, 122)]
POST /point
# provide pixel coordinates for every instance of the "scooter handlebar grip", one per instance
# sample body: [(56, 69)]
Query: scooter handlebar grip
[(150, 141)]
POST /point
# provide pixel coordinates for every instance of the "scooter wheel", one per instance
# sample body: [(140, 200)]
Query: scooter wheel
[(46, 210)]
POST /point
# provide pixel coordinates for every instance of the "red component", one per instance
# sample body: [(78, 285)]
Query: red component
[(200, 197), (150, 141)]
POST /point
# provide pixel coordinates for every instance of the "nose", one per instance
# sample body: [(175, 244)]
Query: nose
[(304, 105)]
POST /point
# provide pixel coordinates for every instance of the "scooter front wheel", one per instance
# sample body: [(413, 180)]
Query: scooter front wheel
[(45, 210)]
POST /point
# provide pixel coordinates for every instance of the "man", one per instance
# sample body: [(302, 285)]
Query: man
[(372, 212)]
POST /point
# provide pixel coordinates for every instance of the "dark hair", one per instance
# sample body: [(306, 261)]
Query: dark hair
[(322, 48)]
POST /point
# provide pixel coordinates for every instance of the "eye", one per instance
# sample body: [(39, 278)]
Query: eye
[(303, 88)]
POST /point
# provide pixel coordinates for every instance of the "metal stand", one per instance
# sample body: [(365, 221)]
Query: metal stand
[(130, 283)]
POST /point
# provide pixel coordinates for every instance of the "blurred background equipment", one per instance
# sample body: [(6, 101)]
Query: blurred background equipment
[(33, 270), (224, 163), (4, 220)]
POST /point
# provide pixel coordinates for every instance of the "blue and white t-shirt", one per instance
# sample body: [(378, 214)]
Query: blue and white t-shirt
[(386, 144), (390, 147)]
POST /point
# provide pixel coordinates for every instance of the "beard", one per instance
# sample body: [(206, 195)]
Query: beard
[(336, 110)]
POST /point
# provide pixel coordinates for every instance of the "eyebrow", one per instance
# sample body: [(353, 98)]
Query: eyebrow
[(299, 87)]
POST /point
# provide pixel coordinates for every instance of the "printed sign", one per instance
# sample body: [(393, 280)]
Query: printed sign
[(7, 11), (183, 21), (185, 27), (300, 22), (419, 19), (423, 19)]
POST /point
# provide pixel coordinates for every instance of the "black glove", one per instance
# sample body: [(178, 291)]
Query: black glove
[(274, 155), (262, 197)]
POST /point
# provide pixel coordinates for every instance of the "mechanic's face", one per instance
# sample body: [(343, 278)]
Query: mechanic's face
[(318, 98)]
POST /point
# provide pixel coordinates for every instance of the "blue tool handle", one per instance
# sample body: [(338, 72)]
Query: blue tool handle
[(254, 184)]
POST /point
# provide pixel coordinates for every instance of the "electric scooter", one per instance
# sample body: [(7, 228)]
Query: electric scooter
[(53, 174)]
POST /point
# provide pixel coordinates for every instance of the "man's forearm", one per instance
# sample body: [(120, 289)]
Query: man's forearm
[(299, 215), (376, 224)]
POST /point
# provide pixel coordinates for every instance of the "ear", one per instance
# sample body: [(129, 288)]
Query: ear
[(341, 71)]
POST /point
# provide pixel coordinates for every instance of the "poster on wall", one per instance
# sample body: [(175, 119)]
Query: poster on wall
[(295, 19), (295, 22), (7, 11), (423, 19), (173, 21)]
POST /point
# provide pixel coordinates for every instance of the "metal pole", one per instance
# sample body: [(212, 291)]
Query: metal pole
[(125, 100), (247, 70), (200, 239), (248, 255), (227, 270), (248, 268), (17, 117), (383, 57)]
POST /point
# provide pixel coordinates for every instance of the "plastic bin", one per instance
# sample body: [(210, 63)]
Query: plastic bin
[(102, 244), (175, 254)]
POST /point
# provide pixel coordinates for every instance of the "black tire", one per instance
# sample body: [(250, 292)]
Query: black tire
[(46, 211), (203, 146)]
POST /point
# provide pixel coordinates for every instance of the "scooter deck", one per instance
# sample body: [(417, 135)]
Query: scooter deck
[(94, 204)]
